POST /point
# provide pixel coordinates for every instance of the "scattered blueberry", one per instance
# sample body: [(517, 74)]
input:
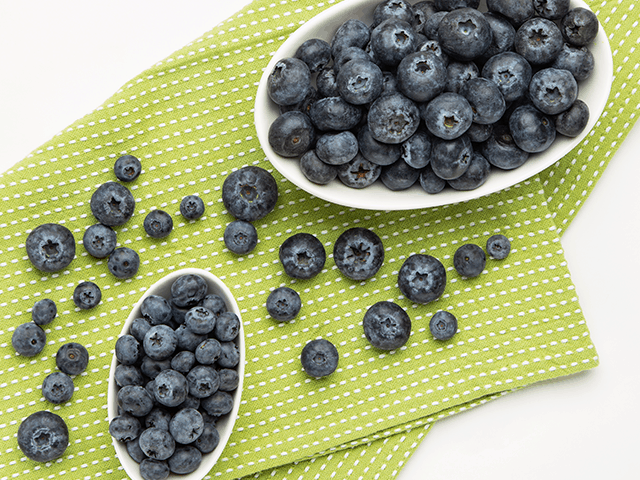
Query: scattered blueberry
[(358, 253), (43, 436), (99, 240), (158, 224), (240, 237), (302, 256), (498, 247), (127, 168), (86, 295), (57, 387), (192, 207), (50, 247), (28, 339), (44, 311), (283, 304), (422, 278), (112, 204), (386, 325), (469, 260), (249, 193), (123, 263), (443, 325), (319, 358), (72, 358)]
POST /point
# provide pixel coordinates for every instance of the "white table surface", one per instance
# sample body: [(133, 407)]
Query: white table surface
[(59, 60)]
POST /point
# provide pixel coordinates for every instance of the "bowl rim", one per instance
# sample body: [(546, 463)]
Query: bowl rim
[(378, 197), (216, 285)]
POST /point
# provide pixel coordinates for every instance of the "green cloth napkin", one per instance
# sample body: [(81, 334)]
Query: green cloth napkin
[(189, 119)]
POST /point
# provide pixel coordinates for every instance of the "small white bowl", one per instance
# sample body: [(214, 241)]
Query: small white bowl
[(594, 92), (225, 425)]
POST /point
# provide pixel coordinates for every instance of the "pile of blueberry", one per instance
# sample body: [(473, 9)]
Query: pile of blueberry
[(436, 93), (176, 370)]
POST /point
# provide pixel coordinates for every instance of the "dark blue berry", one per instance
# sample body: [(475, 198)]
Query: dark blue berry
[(393, 118), (485, 99), (498, 247), (579, 26), (158, 418), (319, 358), (203, 381), (160, 342), (510, 72), (289, 81), (578, 60), (208, 351), (158, 224), (128, 375), (44, 311), (188, 290), (503, 35), (186, 425), (127, 168), (220, 403), (229, 355), (531, 130), (422, 76), (151, 469), (183, 362), (135, 400), (572, 122), (315, 170), (450, 5), (249, 194), (156, 310), (337, 148), (552, 9), (352, 33), (302, 256), (479, 133), (421, 13), (187, 340), (128, 350), (151, 368), (443, 325), (422, 278), (451, 158), (433, 46), (50, 247), (360, 81), (57, 387), (86, 295), (334, 113), (200, 320), (134, 451), (291, 134), (170, 388), (229, 379), (156, 444), (283, 304), (475, 176), (447, 116), (399, 175), (72, 358), (112, 204), (553, 91), (430, 182), (139, 327), (398, 9), (459, 73), (430, 28), (347, 55), (43, 436), (416, 151), (125, 427), (358, 253), (375, 151), (518, 11), (240, 237), (123, 263), (209, 439), (185, 460), (227, 327), (327, 83), (215, 303), (539, 41), (501, 151), (464, 34), (392, 40), (28, 339), (469, 260), (386, 325), (192, 207), (359, 172), (316, 53), (99, 240)]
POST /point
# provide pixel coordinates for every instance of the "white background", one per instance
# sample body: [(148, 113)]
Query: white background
[(59, 60)]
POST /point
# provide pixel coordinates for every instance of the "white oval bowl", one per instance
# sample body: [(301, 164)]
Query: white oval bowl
[(594, 92), (225, 425)]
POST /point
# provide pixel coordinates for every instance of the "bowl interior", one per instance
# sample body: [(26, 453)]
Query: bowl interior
[(594, 92), (225, 425)]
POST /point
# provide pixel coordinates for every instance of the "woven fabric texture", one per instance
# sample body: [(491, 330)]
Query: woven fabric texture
[(189, 120)]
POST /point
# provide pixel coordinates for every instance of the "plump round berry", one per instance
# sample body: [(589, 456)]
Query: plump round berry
[(399, 176), (358, 253), (399, 9), (469, 260), (552, 9), (289, 81), (578, 60), (72, 358), (183, 362), (459, 73), (498, 247), (192, 207), (485, 100), (200, 320), (43, 436), (203, 381), (572, 122), (430, 182), (249, 193), (464, 34), (447, 116), (510, 72), (158, 224), (518, 11), (160, 342), (229, 379), (186, 426), (209, 439), (99, 240), (156, 310), (229, 355), (430, 28), (422, 278), (360, 81), (337, 148), (315, 170), (553, 91), (158, 417), (579, 26), (128, 375), (375, 151), (185, 460), (128, 350), (503, 35), (170, 388), (302, 256), (386, 325), (393, 118), (157, 444), (392, 40), (86, 295), (50, 247), (532, 130), (28, 339), (112, 204), (359, 172), (416, 151), (220, 403), (352, 33), (334, 113), (443, 325), (283, 304), (208, 352), (139, 327), (501, 151), (127, 168), (421, 76), (316, 53), (57, 387), (319, 358), (44, 311), (327, 83), (479, 133), (475, 176), (539, 41), (135, 400), (291, 134), (240, 237), (151, 469), (451, 158), (188, 290), (123, 263), (151, 368), (125, 427)]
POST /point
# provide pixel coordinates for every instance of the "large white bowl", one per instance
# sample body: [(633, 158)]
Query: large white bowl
[(594, 92), (225, 424)]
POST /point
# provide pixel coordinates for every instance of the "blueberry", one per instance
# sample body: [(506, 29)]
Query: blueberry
[(458, 73), (186, 426), (57, 387), (229, 379), (316, 53), (160, 342), (447, 116), (579, 26), (475, 176), (215, 303), (127, 168), (352, 33), (421, 13), (359, 81), (399, 175), (518, 11), (553, 91), (375, 151), (289, 81), (319, 358), (450, 5), (44, 311), (158, 224), (123, 263), (240, 237), (156, 310), (393, 118), (398, 9), (185, 460), (302, 256), (128, 350), (283, 304), (334, 113), (134, 451), (578, 60), (190, 402), (208, 352), (539, 41), (510, 72), (315, 170), (227, 327), (501, 151), (422, 278), (443, 325), (337, 148), (152, 368), (192, 207), (434, 47), (392, 40), (249, 194), (479, 133), (430, 28), (386, 325), (430, 182), (229, 355), (125, 428), (188, 290), (421, 76), (389, 83), (139, 327), (135, 400), (200, 320), (359, 172), (327, 83), (291, 134), (183, 362), (112, 204), (220, 403), (485, 99), (128, 375), (157, 444), (464, 34), (498, 247), (158, 418), (151, 469), (187, 340), (572, 122), (28, 339), (50, 247), (86, 295), (469, 260), (451, 158), (99, 240), (531, 130), (203, 381), (43, 436), (552, 9), (209, 439), (358, 253), (170, 388), (72, 358), (416, 150), (347, 55), (503, 35)]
